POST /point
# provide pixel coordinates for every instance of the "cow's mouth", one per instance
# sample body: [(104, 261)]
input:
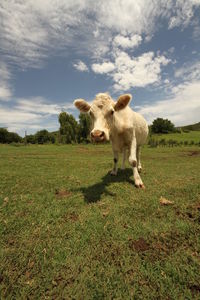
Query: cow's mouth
[(98, 139), (98, 136)]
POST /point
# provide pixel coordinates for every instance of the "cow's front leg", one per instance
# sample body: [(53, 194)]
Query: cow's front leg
[(123, 159), (137, 178), (133, 163), (139, 166), (114, 170)]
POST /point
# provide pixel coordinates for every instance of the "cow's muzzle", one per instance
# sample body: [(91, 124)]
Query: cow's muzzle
[(98, 136)]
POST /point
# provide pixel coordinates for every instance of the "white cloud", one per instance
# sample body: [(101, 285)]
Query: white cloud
[(189, 71), (171, 50), (137, 71), (81, 66), (182, 12), (182, 108), (31, 114), (127, 72), (127, 42), (37, 105), (32, 30), (105, 67), (141, 16), (5, 93), (5, 89), (9, 116), (21, 128), (128, 16), (196, 32), (4, 72)]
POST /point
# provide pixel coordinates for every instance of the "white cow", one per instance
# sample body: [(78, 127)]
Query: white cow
[(117, 122)]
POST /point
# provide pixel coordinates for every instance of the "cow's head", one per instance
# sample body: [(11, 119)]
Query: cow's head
[(102, 112)]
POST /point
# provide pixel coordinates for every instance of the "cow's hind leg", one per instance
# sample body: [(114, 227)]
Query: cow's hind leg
[(114, 170), (133, 163), (139, 166)]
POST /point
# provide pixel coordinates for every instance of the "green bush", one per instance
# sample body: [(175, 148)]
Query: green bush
[(161, 125), (162, 142), (153, 143)]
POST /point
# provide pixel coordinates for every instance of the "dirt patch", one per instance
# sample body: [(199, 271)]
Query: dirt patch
[(62, 193), (72, 217), (139, 245), (83, 149), (11, 242), (160, 247), (193, 153), (196, 206), (192, 213), (195, 289), (1, 278), (166, 244)]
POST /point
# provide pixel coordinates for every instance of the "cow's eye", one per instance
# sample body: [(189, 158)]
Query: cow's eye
[(91, 114), (112, 112)]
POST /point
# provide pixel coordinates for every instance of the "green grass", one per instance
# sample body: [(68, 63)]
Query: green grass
[(71, 231), (180, 137)]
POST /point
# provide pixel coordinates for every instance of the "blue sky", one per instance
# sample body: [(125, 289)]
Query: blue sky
[(54, 51)]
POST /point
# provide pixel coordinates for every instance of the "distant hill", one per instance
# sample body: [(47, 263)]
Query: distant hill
[(192, 127)]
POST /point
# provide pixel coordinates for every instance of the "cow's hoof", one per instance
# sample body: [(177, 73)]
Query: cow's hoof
[(140, 186), (113, 173), (140, 169)]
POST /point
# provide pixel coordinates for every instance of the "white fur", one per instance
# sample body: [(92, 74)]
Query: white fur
[(126, 129)]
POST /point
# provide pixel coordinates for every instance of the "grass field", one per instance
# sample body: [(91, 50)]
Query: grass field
[(179, 137), (71, 231)]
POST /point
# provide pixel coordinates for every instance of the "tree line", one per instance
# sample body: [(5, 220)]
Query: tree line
[(73, 131), (70, 131)]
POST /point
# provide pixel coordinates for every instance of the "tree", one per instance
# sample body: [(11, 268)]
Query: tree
[(43, 137), (68, 128), (30, 139), (162, 126), (3, 135), (84, 127), (14, 138), (7, 137)]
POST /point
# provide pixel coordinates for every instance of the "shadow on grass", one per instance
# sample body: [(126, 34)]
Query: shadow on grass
[(93, 193)]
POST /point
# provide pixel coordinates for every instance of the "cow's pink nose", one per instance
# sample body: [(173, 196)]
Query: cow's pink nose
[(97, 134)]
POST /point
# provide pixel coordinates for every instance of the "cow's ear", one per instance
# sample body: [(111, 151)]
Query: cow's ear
[(82, 105), (122, 101)]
